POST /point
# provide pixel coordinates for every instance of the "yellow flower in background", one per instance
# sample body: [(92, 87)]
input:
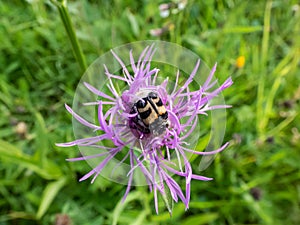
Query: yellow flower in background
[(240, 62)]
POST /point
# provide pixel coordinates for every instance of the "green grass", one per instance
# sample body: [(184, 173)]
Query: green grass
[(257, 179)]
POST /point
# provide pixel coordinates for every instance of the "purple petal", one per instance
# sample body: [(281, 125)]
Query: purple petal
[(132, 62), (80, 119), (97, 92), (140, 58), (206, 153), (87, 157), (126, 73), (176, 187), (187, 194), (191, 130), (208, 108), (176, 82), (144, 171), (83, 141), (197, 177), (189, 80), (213, 94), (98, 169), (97, 103), (195, 110), (116, 77), (205, 85), (155, 199), (130, 177), (174, 120), (148, 56), (112, 88), (101, 119)]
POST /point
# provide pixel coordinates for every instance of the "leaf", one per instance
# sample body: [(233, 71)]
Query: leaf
[(42, 142), (206, 205), (140, 219), (204, 218), (178, 211), (242, 29), (133, 23), (15, 155), (49, 194), (121, 205)]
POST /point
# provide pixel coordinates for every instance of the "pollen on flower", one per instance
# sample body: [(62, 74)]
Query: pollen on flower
[(148, 125), (240, 62)]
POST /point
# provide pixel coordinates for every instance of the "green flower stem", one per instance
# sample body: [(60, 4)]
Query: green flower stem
[(66, 19), (262, 118)]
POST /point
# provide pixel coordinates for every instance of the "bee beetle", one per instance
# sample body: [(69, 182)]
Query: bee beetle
[(152, 116)]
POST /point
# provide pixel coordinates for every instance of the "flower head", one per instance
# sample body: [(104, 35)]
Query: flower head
[(240, 62), (149, 126)]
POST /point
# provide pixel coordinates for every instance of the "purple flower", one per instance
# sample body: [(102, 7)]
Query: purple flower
[(149, 127)]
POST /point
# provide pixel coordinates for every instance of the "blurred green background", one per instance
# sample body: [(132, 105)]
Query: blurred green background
[(257, 179)]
